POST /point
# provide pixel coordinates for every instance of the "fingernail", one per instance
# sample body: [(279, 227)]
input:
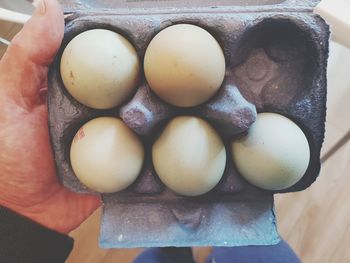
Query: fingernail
[(40, 7)]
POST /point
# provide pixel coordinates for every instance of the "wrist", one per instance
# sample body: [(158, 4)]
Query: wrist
[(45, 215), (61, 211)]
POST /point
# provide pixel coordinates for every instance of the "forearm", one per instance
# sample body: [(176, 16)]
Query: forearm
[(22, 240)]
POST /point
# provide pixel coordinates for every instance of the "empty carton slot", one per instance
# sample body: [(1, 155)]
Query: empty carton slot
[(279, 63)]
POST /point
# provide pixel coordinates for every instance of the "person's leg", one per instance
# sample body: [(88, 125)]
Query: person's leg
[(166, 255), (254, 254)]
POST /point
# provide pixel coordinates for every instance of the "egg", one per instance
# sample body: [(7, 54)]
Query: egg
[(106, 155), (184, 65), (275, 153), (100, 68), (189, 156)]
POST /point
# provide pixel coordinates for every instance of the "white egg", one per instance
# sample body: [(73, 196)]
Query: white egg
[(100, 68), (106, 155), (184, 65), (189, 156), (275, 153)]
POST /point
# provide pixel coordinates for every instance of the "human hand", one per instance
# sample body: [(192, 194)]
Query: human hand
[(28, 181)]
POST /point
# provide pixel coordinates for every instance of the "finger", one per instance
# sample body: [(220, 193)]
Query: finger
[(23, 68)]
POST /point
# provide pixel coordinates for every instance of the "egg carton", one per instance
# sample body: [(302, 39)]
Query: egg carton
[(276, 57)]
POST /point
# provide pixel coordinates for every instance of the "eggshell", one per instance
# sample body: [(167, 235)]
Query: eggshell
[(189, 156), (184, 65), (274, 155), (100, 68), (106, 155)]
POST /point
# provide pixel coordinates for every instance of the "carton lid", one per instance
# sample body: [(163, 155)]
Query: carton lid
[(73, 5)]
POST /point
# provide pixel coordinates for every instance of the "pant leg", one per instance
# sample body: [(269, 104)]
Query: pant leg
[(165, 255), (280, 253)]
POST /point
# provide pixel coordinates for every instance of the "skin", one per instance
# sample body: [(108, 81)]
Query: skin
[(28, 180)]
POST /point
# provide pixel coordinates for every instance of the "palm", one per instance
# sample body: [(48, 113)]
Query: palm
[(28, 181)]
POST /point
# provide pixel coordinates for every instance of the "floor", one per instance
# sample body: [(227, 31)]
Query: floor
[(315, 222)]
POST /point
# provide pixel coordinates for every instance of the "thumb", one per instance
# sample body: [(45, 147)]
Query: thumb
[(41, 36), (23, 68)]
